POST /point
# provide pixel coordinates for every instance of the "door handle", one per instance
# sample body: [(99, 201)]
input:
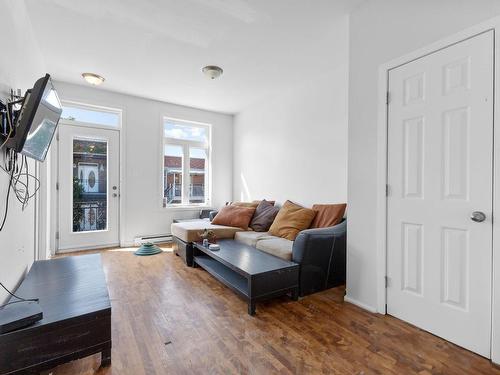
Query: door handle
[(478, 216)]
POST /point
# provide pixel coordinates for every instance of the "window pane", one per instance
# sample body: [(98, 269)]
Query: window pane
[(185, 131), (172, 175), (197, 172), (90, 174), (91, 116)]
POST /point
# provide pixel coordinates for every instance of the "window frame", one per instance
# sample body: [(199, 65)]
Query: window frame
[(186, 145), (94, 108)]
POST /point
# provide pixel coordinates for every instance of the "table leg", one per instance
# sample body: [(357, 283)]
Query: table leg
[(106, 357), (251, 307)]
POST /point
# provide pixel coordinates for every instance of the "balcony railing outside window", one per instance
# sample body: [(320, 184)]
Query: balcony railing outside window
[(173, 193)]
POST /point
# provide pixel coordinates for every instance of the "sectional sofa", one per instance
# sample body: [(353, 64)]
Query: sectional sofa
[(320, 252)]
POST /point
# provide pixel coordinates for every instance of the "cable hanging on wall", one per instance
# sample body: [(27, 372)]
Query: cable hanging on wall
[(14, 165)]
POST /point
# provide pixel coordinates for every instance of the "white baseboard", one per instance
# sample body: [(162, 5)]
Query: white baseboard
[(80, 248), (495, 359), (360, 304), (157, 238)]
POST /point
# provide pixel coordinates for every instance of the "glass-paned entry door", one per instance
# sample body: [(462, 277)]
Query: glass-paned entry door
[(88, 187)]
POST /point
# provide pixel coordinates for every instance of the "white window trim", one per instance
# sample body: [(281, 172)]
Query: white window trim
[(186, 145)]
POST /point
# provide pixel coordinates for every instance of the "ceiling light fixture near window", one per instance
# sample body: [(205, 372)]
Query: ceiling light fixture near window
[(212, 71), (93, 79)]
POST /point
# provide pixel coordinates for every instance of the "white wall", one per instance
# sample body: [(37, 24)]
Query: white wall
[(20, 65), (293, 144), (380, 31), (142, 152)]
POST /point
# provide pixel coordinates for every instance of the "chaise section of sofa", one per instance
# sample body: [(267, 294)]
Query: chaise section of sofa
[(190, 231), (185, 233)]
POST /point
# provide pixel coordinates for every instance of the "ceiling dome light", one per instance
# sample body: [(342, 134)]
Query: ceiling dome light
[(93, 79), (212, 71)]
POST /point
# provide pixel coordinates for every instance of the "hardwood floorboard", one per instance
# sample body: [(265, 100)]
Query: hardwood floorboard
[(171, 319)]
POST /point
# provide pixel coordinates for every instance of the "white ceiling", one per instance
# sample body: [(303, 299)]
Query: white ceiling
[(156, 48)]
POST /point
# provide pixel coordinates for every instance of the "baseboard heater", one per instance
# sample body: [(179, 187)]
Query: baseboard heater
[(153, 239)]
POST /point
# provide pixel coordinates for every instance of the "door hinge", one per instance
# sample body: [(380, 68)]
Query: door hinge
[(387, 97), (386, 190), (57, 136), (57, 185), (57, 235), (387, 282)]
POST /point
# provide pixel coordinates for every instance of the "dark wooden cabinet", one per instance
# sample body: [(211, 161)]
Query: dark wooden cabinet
[(76, 316)]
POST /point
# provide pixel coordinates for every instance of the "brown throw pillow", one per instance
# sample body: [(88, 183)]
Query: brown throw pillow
[(253, 204), (234, 216), (291, 219), (264, 216), (246, 204), (328, 215)]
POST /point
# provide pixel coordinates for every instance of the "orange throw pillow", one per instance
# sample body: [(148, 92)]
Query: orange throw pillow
[(234, 216), (328, 215), (291, 219)]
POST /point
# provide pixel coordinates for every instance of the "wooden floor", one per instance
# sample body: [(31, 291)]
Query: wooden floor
[(171, 319)]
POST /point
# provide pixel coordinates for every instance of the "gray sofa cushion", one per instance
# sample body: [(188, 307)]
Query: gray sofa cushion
[(250, 238), (277, 246)]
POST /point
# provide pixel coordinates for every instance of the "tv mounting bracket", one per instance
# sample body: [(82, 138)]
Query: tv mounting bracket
[(7, 107)]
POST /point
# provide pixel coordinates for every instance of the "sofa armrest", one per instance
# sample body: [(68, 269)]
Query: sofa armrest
[(321, 255), (212, 214)]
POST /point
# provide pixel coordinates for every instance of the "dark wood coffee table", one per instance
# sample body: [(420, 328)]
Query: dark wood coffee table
[(251, 273)]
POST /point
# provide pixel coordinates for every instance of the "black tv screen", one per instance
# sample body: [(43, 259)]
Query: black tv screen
[(37, 120)]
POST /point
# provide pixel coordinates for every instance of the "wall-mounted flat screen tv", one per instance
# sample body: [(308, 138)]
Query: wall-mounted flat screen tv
[(37, 120)]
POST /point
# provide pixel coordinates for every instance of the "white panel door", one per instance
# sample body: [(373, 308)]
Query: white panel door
[(88, 187), (440, 152)]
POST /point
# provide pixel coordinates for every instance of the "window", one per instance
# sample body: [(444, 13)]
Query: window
[(90, 174), (91, 115), (186, 158)]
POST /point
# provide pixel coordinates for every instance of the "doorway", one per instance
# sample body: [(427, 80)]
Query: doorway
[(88, 187)]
